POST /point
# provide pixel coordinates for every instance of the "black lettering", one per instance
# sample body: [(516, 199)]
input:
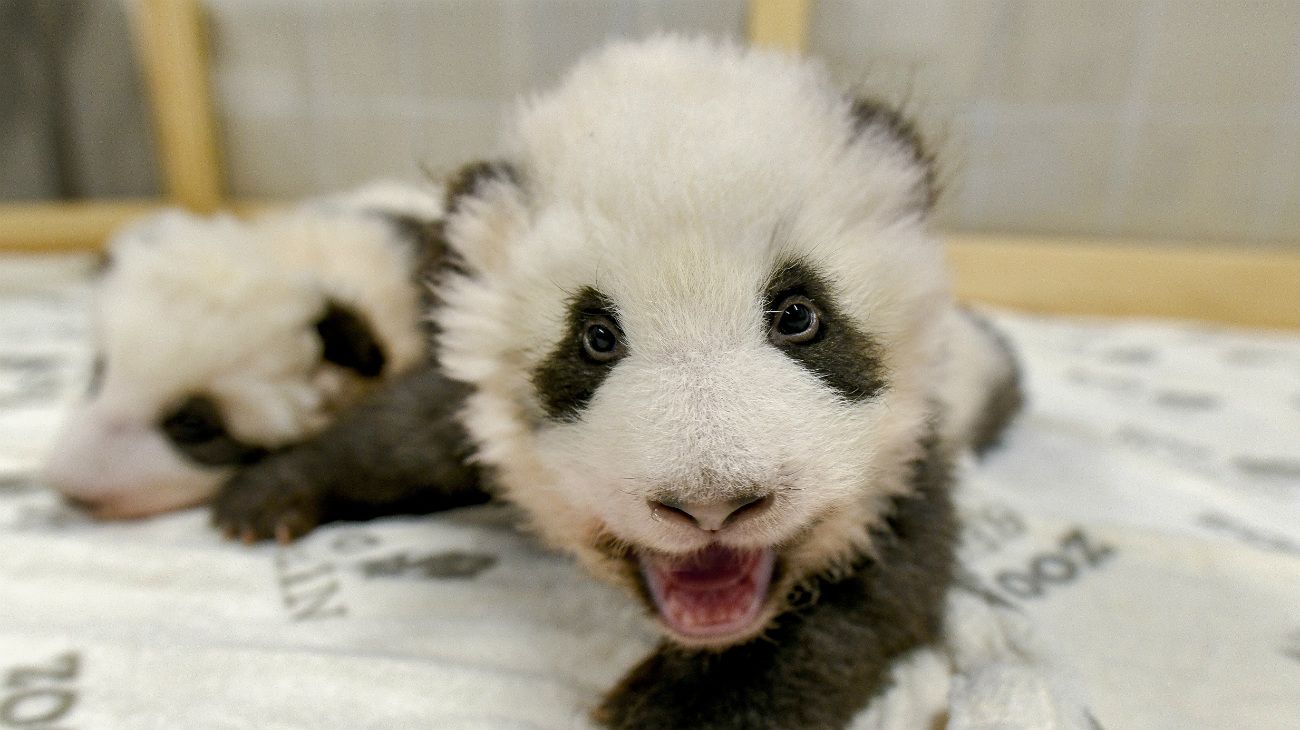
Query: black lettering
[(354, 542), (990, 527), (36, 707), (450, 565), (308, 591), (323, 570), (1293, 649), (1006, 520), (1061, 569), (63, 668), (311, 604), (1092, 553), (1018, 584), (971, 583), (1258, 538)]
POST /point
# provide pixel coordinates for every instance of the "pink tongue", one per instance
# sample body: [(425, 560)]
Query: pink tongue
[(710, 594)]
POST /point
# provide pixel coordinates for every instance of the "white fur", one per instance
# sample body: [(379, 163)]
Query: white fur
[(227, 308), (673, 176)]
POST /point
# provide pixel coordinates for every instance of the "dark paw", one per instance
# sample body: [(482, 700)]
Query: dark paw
[(261, 503)]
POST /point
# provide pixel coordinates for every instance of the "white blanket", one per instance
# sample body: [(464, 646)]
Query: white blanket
[(1133, 557)]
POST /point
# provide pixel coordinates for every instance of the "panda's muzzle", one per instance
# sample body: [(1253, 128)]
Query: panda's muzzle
[(710, 516)]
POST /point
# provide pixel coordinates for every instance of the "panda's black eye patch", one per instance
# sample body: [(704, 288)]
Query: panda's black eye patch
[(798, 320), (592, 344), (805, 323), (196, 428), (193, 422)]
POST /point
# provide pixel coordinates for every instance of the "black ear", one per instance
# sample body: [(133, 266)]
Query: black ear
[(875, 116), (348, 341), (469, 181)]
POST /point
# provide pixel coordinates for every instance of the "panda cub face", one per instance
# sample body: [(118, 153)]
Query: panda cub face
[(216, 345), (701, 313)]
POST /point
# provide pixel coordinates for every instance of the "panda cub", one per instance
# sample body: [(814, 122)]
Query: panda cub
[(220, 341), (709, 346), (708, 334)]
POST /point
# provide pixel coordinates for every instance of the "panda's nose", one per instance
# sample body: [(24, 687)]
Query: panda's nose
[(710, 516)]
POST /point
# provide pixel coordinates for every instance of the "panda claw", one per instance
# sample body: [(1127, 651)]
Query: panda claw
[(248, 536), (283, 534)]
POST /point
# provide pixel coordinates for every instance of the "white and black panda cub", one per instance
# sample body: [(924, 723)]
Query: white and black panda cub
[(220, 341), (712, 352)]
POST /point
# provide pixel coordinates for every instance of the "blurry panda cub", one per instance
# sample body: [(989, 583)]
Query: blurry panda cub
[(221, 341), (710, 349)]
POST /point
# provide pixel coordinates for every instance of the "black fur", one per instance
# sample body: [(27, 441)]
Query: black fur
[(566, 380), (840, 354), (826, 657), (1004, 402), (873, 114), (429, 244), (348, 341), (400, 451), (470, 179), (197, 430)]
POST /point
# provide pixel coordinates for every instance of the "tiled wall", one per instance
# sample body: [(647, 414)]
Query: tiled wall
[(1154, 118), (1144, 118), (320, 95), (73, 121)]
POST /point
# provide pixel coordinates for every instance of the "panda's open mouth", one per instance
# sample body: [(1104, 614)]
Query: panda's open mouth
[(712, 595)]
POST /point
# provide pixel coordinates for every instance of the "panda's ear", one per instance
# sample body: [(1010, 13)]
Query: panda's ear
[(473, 180), (348, 341), (486, 207), (882, 122)]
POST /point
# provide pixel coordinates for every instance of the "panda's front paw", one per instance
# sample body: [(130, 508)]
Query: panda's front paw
[(266, 502), (654, 711), (675, 689)]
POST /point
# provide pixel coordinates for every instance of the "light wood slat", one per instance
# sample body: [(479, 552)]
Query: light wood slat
[(1217, 283), (780, 24), (66, 226), (172, 46)]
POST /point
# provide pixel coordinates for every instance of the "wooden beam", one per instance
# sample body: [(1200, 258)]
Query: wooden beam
[(173, 54), (1241, 285), (779, 24), (66, 226)]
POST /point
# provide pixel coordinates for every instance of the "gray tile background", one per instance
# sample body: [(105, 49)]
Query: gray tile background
[(72, 117), (1166, 119)]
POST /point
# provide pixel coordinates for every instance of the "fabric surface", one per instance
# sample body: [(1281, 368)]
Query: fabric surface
[(1132, 553)]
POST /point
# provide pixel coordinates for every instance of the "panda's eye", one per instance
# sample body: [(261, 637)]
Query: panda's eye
[(601, 341), (194, 421), (797, 321)]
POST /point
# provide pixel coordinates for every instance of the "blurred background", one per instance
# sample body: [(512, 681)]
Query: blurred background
[(1152, 119)]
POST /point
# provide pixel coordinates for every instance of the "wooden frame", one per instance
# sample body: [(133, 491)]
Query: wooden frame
[(779, 23), (1255, 286), (173, 51), (1229, 284)]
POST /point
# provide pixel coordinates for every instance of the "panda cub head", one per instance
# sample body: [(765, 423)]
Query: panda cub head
[(220, 340), (702, 315)]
